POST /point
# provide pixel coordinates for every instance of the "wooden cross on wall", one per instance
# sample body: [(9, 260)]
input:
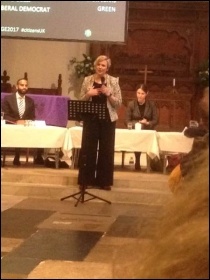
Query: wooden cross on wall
[(145, 72)]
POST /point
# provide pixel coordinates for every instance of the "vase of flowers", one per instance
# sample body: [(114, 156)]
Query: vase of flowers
[(78, 70), (83, 67)]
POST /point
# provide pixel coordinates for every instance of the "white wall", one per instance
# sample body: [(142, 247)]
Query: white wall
[(42, 60)]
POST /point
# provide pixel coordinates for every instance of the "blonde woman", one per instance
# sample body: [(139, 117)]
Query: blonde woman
[(99, 134)]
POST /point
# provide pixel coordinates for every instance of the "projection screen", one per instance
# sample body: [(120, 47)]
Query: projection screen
[(101, 21)]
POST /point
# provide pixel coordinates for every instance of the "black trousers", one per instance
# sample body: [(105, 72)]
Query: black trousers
[(96, 160), (137, 158)]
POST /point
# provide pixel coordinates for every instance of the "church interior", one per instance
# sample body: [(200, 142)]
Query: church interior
[(146, 232), (167, 44)]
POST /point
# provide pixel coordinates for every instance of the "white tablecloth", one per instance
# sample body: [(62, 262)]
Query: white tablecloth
[(174, 142), (137, 141), (21, 136), (148, 141), (125, 140)]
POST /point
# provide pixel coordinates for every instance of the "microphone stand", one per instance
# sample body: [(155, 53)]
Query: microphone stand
[(80, 196), (78, 109)]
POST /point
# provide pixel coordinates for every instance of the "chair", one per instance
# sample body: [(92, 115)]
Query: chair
[(5, 86), (46, 91), (10, 151)]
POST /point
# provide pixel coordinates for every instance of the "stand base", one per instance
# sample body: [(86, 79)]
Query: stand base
[(81, 196)]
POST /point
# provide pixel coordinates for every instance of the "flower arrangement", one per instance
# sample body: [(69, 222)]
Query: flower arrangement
[(84, 67), (203, 74)]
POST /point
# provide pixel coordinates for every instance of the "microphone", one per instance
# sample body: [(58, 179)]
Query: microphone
[(102, 80), (102, 83)]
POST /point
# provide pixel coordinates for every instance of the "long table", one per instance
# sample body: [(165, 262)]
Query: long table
[(151, 142), (147, 141), (20, 136), (125, 140), (173, 142), (51, 108)]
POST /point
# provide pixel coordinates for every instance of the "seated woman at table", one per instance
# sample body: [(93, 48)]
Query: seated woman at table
[(17, 108), (144, 112)]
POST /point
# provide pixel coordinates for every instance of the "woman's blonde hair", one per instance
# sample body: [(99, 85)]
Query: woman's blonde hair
[(101, 58)]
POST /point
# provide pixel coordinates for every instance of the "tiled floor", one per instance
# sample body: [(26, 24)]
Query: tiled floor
[(43, 237)]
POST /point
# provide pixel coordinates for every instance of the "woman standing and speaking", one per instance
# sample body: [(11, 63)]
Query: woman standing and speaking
[(96, 161)]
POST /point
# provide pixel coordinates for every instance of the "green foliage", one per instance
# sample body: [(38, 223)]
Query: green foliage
[(84, 67)]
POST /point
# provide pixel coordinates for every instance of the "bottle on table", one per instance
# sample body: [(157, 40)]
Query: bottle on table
[(131, 161)]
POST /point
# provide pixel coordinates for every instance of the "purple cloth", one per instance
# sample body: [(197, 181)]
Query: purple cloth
[(50, 108)]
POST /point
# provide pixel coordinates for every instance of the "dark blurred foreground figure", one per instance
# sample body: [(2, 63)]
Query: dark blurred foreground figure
[(179, 248), (201, 142)]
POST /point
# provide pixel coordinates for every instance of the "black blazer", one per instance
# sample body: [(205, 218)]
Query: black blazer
[(10, 108), (133, 113)]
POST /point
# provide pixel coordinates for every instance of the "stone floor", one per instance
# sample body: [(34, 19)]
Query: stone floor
[(43, 237)]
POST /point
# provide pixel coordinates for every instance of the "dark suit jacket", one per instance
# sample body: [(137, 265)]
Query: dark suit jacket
[(10, 108), (150, 113)]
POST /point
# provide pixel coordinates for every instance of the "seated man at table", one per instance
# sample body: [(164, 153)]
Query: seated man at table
[(17, 108)]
